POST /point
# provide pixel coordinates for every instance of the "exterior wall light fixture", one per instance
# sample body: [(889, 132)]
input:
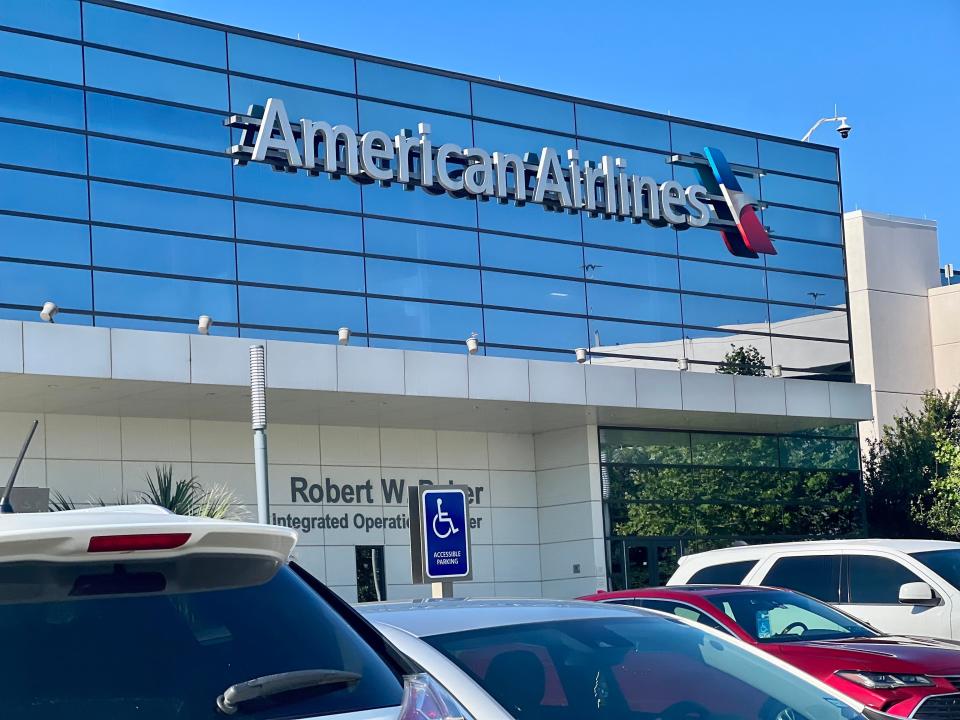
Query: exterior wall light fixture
[(473, 344), (581, 354), (777, 371), (343, 336), (203, 324), (683, 364), (48, 311)]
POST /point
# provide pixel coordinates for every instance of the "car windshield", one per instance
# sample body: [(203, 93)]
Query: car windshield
[(152, 641), (945, 563), (780, 616), (639, 667)]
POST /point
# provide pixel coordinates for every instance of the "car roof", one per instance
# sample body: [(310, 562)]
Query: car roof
[(748, 552), (701, 590), (425, 618), (66, 535)]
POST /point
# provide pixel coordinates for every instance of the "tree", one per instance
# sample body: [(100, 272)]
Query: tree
[(744, 360), (902, 466), (939, 507)]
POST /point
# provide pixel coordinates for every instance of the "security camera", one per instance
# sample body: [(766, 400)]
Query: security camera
[(844, 129), (48, 311)]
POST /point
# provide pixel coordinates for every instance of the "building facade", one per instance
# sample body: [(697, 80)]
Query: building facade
[(649, 378)]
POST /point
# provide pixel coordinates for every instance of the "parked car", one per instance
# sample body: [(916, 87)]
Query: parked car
[(569, 660), (909, 677), (133, 612), (903, 587)]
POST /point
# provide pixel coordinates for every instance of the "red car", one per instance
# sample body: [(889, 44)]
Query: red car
[(906, 676)]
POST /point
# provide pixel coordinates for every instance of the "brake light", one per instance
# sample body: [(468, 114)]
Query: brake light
[(132, 543)]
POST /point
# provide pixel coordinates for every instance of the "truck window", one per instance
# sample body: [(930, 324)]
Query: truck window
[(877, 580), (724, 574), (815, 575)]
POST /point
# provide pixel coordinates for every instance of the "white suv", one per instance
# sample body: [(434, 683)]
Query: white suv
[(906, 587), (135, 612)]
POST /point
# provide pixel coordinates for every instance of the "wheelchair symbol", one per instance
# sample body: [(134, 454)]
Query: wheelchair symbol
[(443, 518)]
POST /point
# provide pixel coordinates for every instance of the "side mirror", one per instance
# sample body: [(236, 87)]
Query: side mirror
[(918, 593)]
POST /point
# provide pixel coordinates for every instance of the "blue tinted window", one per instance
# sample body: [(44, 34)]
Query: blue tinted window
[(64, 317), (722, 279), (53, 17), (66, 242), (153, 78), (417, 280), (798, 159), (626, 234), (27, 55), (422, 345), (686, 175), (309, 228), (421, 242), (164, 297), (537, 293), (43, 194), (418, 204), (806, 193), (161, 209), (506, 139), (413, 87), (806, 256), (46, 149), (806, 289), (303, 268), (633, 268), (156, 252), (152, 121), (810, 355), (261, 181), (639, 162), (803, 225), (159, 166), (393, 118), (522, 108), (28, 284), (183, 326), (424, 320), (713, 346), (708, 244), (828, 323), (314, 310), (636, 339), (622, 127), (25, 100), (529, 219), (153, 35), (504, 251), (723, 312), (291, 63), (690, 139), (315, 336), (534, 329), (633, 304), (300, 103)]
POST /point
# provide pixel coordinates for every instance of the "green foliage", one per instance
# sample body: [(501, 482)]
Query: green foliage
[(185, 496), (744, 360), (901, 469), (939, 507)]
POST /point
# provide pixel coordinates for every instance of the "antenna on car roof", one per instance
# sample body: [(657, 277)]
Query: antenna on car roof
[(5, 506)]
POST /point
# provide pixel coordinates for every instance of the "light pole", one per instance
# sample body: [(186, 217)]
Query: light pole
[(258, 413)]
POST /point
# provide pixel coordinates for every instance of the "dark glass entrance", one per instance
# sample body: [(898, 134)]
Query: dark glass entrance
[(642, 562)]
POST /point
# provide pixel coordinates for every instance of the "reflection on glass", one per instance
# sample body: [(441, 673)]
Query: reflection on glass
[(157, 252), (737, 315), (393, 118), (31, 192), (825, 259), (827, 323), (534, 329), (120, 160), (300, 103), (262, 182), (638, 162), (302, 268), (622, 127), (503, 251), (413, 87), (437, 321), (153, 121), (419, 280), (420, 242), (291, 63), (810, 289), (536, 293), (418, 204), (803, 225), (154, 36), (529, 219), (708, 348), (315, 310), (44, 149), (809, 356), (62, 241), (633, 303), (805, 193), (522, 108), (164, 297), (38, 57), (722, 279), (629, 235), (738, 149), (624, 339), (632, 268), (53, 17), (25, 100), (187, 325), (290, 226), (161, 209), (709, 244), (24, 283), (798, 159)]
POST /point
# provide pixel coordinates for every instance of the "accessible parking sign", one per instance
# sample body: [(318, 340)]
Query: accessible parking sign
[(441, 534)]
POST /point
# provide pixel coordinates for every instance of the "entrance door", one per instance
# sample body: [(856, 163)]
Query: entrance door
[(642, 562)]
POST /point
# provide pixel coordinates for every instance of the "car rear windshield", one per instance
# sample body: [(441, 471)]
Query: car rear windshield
[(780, 616), (945, 563), (640, 667), (146, 641)]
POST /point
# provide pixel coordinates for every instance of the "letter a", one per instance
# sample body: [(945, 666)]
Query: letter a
[(275, 119)]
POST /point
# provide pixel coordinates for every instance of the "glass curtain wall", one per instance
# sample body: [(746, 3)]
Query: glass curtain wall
[(668, 493), (118, 202)]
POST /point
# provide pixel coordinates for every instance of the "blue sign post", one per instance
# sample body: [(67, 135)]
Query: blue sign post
[(440, 536)]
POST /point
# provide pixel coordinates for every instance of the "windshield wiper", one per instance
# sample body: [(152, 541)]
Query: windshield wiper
[(269, 685)]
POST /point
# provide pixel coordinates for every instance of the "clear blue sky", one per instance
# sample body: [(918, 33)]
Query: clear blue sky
[(892, 66)]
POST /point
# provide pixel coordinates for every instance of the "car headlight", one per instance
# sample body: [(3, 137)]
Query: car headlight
[(884, 681)]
